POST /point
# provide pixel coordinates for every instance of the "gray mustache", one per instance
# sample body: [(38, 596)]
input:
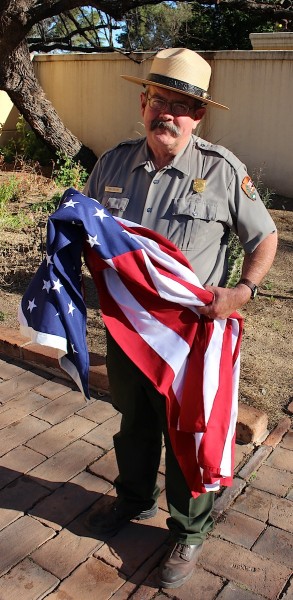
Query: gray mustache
[(173, 129)]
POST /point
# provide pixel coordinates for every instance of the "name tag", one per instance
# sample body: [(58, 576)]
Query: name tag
[(109, 188)]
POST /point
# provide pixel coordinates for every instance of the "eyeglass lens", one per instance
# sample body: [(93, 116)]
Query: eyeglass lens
[(177, 108)]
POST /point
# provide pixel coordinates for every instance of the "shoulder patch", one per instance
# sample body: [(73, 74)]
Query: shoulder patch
[(248, 188)]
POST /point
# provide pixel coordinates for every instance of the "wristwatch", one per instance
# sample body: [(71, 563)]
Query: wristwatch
[(252, 286)]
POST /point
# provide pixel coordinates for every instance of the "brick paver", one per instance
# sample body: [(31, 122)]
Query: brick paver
[(98, 411), (234, 592), (252, 424), (61, 435), (8, 370), (57, 464), (202, 585), (258, 574), (238, 528), (65, 464), (19, 539), (281, 458), (102, 435), (255, 462), (53, 388), (60, 408), (68, 501), (17, 385), (287, 441), (20, 432), (20, 407), (63, 553), (134, 544), (272, 480), (277, 434), (90, 579), (277, 545), (106, 466), (16, 462), (26, 581)]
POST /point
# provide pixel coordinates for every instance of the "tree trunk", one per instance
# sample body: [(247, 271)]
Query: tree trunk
[(18, 79)]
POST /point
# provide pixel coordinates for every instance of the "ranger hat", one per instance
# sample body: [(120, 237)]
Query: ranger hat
[(181, 70)]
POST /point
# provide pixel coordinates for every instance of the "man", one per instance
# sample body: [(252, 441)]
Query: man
[(193, 193)]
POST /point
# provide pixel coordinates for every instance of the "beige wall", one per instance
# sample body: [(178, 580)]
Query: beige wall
[(93, 100), (258, 128), (8, 118), (103, 109)]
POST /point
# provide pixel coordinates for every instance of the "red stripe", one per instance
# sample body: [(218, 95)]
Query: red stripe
[(192, 417), (164, 244)]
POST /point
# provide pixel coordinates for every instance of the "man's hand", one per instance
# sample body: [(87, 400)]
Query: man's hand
[(255, 267), (225, 301)]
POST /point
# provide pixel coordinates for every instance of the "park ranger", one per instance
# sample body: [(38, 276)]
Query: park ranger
[(193, 193)]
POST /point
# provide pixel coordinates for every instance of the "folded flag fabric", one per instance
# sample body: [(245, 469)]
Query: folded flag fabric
[(149, 296)]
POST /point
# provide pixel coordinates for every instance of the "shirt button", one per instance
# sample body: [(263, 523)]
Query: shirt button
[(149, 210), (156, 180), (194, 214)]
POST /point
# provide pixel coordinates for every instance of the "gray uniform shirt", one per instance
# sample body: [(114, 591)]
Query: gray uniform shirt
[(194, 201)]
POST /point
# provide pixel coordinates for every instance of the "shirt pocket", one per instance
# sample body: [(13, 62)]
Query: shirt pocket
[(189, 219), (115, 205)]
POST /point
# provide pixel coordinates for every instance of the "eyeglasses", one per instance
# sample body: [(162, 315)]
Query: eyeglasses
[(179, 109)]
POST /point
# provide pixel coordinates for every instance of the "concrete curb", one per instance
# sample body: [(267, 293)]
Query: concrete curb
[(252, 424)]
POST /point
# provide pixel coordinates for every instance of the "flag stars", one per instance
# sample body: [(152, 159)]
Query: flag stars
[(48, 259), (57, 285), (31, 305), (69, 203), (73, 349), (92, 241), (101, 214), (71, 308), (46, 286)]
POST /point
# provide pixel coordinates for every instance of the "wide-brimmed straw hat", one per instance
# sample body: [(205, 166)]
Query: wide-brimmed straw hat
[(181, 70)]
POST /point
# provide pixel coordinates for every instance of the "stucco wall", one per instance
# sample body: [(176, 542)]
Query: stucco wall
[(103, 109)]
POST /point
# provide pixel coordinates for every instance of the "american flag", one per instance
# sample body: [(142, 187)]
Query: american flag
[(149, 296)]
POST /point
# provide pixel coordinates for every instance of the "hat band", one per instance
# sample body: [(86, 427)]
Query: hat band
[(181, 86)]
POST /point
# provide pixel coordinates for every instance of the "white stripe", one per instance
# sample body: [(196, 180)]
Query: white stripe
[(212, 361), (153, 250), (167, 343), (169, 289), (226, 465), (212, 487)]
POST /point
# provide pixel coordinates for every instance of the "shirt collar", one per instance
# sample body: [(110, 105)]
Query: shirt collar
[(181, 161)]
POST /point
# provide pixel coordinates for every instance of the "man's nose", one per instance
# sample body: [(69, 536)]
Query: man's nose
[(166, 111)]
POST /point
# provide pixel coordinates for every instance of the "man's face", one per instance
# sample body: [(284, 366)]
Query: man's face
[(164, 129)]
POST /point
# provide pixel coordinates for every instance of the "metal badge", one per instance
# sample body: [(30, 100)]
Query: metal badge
[(199, 185)]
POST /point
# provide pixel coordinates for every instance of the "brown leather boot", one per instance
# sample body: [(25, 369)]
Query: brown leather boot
[(177, 566)]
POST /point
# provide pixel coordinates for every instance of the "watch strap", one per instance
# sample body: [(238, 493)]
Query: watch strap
[(252, 286)]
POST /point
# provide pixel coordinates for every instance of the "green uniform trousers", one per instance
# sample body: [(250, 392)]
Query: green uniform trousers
[(138, 450)]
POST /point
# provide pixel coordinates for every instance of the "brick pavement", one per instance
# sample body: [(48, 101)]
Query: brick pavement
[(57, 462)]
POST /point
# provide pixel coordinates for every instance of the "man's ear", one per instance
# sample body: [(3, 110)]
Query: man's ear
[(143, 101)]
